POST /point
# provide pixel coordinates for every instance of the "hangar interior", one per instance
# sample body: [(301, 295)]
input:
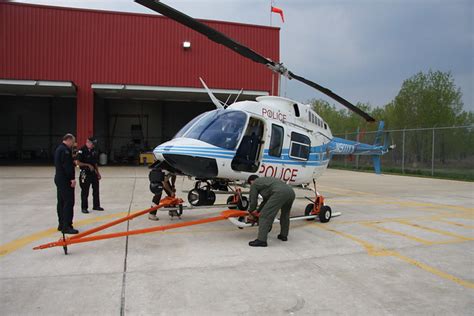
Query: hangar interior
[(127, 127), (35, 115)]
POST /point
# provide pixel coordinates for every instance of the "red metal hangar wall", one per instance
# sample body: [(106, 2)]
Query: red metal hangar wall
[(115, 74)]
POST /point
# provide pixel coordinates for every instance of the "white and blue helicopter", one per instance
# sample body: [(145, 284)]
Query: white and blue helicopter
[(272, 136)]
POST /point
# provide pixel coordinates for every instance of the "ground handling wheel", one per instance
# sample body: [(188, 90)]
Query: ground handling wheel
[(325, 214), (308, 210), (242, 203), (230, 203), (197, 197), (194, 197)]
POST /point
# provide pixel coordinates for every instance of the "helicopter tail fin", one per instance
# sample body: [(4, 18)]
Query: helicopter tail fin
[(377, 163), (379, 136)]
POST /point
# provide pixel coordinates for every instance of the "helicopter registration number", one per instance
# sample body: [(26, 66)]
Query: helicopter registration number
[(285, 174)]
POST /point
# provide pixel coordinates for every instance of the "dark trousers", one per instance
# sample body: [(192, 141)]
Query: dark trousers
[(282, 200), (87, 179), (157, 198), (65, 206)]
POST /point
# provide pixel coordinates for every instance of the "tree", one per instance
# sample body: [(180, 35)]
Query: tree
[(426, 100)]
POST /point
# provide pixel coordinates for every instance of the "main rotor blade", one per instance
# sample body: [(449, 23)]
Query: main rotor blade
[(331, 94), (242, 50)]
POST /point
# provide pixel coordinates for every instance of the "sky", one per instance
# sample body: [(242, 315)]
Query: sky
[(361, 49)]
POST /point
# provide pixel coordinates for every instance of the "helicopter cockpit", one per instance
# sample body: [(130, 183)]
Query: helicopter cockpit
[(221, 128), (227, 129)]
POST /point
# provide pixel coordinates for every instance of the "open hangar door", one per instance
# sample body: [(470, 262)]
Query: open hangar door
[(35, 116), (129, 119)]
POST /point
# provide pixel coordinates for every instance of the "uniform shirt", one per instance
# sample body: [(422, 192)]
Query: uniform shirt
[(64, 164), (85, 155), (265, 186)]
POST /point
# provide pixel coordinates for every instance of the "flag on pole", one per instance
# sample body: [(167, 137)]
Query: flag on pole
[(279, 11)]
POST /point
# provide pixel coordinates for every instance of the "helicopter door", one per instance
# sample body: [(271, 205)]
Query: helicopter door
[(247, 157)]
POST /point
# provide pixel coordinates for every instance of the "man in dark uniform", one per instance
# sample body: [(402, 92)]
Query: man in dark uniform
[(65, 184), (87, 159), (160, 180), (276, 196)]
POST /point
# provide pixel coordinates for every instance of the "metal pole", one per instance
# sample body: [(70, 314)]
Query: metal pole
[(271, 5), (403, 152), (432, 153), (357, 156)]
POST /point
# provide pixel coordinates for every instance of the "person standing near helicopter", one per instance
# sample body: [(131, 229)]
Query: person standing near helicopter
[(87, 160), (277, 196), (160, 180)]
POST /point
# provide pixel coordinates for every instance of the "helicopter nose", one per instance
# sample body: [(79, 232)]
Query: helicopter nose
[(189, 156), (199, 167)]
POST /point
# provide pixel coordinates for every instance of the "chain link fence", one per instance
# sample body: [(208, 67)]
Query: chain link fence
[(445, 152)]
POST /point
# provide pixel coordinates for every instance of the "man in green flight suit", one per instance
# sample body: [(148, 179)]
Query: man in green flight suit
[(276, 196)]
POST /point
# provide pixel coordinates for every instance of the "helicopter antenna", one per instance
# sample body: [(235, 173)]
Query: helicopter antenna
[(226, 104), (219, 104), (238, 95)]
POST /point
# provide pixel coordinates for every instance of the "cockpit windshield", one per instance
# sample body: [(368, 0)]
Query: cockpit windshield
[(221, 128), (186, 127)]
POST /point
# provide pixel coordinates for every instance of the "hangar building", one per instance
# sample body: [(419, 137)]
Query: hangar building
[(132, 80)]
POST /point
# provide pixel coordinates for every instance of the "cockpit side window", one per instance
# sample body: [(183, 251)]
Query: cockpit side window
[(276, 141), (299, 146)]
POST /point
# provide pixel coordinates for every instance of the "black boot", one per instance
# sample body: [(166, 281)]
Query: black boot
[(257, 243), (59, 228), (282, 238), (85, 211), (98, 208), (70, 230)]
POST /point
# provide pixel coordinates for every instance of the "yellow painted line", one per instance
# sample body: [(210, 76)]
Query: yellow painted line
[(14, 245), (397, 233), (454, 223), (373, 250), (434, 230)]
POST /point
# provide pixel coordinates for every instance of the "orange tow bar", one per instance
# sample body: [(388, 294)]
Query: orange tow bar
[(168, 201)]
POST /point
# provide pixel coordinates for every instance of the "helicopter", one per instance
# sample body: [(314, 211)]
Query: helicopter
[(272, 136)]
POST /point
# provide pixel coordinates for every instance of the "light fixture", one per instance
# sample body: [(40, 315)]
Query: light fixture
[(186, 45)]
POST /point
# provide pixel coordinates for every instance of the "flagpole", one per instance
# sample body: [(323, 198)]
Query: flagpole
[(271, 4)]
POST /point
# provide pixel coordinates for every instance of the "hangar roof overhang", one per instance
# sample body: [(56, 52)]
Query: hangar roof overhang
[(37, 88), (185, 94)]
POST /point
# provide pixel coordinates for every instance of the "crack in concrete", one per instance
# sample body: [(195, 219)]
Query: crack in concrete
[(124, 277)]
